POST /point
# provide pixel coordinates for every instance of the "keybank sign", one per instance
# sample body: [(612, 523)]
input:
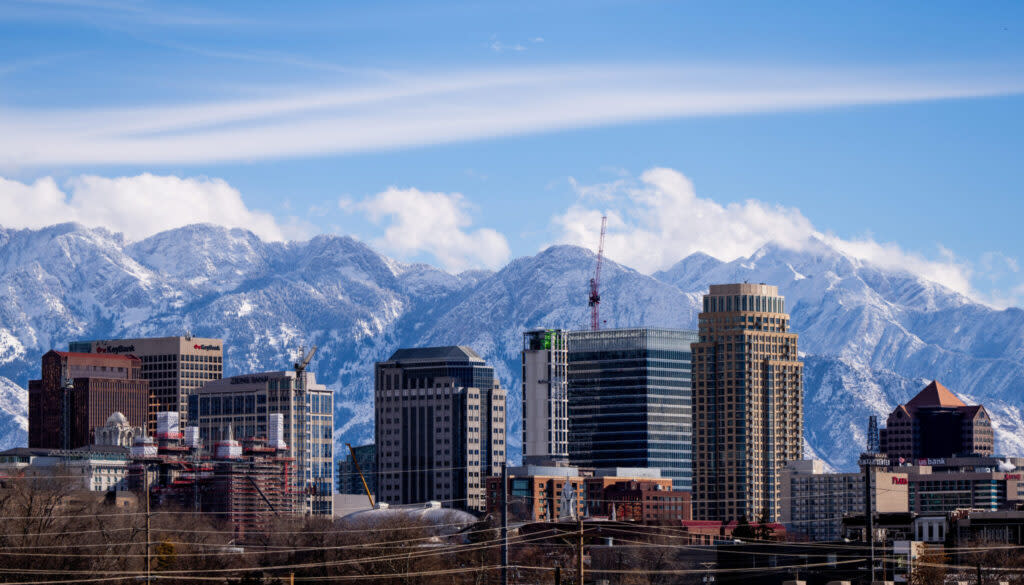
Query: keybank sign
[(206, 347), (115, 348)]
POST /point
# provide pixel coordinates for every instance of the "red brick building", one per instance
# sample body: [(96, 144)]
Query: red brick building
[(538, 494), (646, 501), (99, 385)]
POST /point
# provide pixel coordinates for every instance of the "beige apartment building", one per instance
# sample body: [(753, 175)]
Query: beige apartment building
[(175, 366), (747, 402), (814, 502), (440, 431)]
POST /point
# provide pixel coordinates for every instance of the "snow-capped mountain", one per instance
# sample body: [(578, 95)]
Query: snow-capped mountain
[(870, 337)]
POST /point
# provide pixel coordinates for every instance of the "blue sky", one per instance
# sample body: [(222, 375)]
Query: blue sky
[(467, 133)]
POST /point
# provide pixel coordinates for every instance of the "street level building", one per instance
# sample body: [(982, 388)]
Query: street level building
[(936, 423), (242, 407), (942, 485), (77, 394), (95, 468), (440, 427), (174, 366), (629, 398), (545, 397), (539, 493), (748, 402)]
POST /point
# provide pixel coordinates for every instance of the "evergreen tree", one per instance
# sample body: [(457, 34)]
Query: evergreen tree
[(743, 528)]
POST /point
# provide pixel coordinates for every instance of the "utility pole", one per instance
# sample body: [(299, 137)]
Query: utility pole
[(504, 523), (979, 572), (869, 515), (708, 579), (149, 564), (581, 550)]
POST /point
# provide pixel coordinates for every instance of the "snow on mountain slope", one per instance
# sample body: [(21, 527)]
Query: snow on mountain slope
[(871, 337), (13, 415), (876, 337)]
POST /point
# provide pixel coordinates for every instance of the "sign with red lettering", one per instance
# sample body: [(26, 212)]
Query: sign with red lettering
[(1013, 476), (899, 481)]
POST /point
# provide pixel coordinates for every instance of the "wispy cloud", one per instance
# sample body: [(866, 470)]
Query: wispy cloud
[(411, 110), (500, 47), (113, 12)]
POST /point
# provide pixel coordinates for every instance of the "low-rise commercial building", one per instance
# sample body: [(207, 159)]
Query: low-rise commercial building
[(815, 502), (552, 493), (95, 468)]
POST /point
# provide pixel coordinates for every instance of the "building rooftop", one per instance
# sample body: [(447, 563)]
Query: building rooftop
[(95, 356), (744, 288), (935, 395), (110, 449), (448, 352), (25, 452)]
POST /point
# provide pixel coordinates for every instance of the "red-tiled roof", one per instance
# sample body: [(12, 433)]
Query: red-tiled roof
[(105, 356), (935, 394)]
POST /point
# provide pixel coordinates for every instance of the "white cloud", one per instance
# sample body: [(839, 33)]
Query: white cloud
[(433, 223), (500, 47), (658, 220), (136, 206), (400, 109)]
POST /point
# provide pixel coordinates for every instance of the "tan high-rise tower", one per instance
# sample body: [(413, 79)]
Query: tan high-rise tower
[(747, 402)]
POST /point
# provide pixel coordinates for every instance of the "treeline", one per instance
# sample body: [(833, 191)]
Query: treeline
[(50, 533)]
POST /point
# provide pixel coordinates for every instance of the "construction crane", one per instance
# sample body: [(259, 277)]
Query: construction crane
[(303, 400), (355, 463), (595, 283)]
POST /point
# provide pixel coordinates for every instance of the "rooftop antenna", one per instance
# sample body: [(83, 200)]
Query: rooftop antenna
[(595, 283), (873, 442)]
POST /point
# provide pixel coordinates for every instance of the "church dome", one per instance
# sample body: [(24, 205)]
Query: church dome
[(117, 419)]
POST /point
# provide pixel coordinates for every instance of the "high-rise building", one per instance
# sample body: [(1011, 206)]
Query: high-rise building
[(630, 400), (77, 394), (243, 407), (747, 402), (440, 431), (351, 473), (936, 423), (545, 397), (175, 367)]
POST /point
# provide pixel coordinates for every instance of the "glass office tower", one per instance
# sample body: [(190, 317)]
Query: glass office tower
[(630, 400)]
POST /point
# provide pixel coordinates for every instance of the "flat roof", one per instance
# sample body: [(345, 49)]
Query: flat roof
[(435, 353)]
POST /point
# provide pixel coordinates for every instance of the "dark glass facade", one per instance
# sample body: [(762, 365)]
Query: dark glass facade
[(440, 426), (630, 400)]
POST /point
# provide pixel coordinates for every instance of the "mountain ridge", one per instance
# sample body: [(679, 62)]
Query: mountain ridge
[(870, 337)]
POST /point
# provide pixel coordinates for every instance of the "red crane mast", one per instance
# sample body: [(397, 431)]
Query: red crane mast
[(595, 283)]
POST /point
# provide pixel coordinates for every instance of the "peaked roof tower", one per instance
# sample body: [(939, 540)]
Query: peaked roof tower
[(934, 395)]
